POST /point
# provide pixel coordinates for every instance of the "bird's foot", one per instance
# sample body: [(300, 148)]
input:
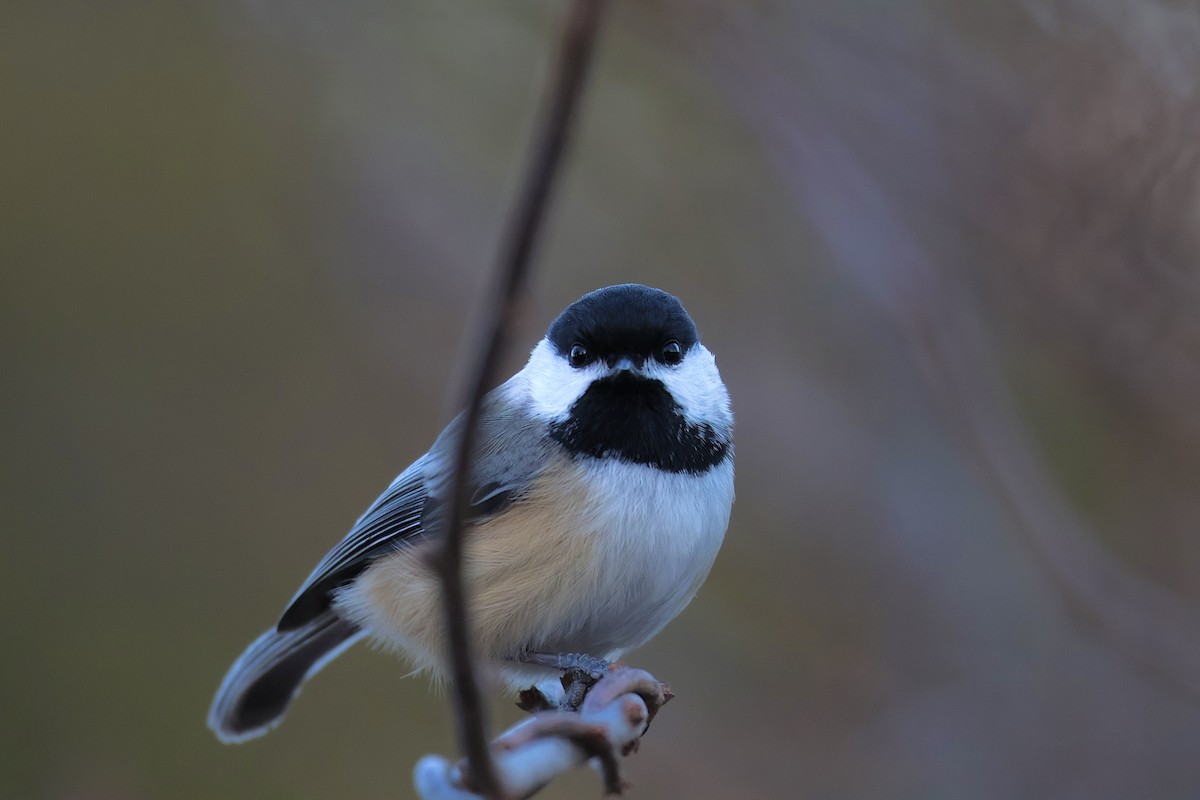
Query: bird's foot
[(580, 672), (581, 663)]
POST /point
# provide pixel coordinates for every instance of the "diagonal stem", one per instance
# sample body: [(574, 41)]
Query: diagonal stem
[(516, 250)]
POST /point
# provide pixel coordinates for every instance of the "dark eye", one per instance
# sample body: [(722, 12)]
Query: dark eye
[(672, 353), (579, 357)]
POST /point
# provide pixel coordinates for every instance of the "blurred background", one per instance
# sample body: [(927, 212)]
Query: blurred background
[(946, 254)]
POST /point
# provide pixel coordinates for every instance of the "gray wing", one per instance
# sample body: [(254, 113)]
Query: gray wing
[(511, 453)]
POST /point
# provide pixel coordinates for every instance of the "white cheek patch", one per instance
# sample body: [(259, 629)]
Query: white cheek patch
[(553, 384), (696, 385)]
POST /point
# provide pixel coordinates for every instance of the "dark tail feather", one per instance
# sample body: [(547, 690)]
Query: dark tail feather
[(260, 685)]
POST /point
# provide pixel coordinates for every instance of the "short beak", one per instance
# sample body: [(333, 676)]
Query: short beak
[(624, 364)]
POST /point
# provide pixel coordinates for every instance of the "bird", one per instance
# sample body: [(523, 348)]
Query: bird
[(600, 492)]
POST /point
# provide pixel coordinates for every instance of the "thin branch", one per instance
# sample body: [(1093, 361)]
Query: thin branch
[(529, 755), (515, 253)]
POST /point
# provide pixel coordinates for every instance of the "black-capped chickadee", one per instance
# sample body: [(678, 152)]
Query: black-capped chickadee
[(601, 491)]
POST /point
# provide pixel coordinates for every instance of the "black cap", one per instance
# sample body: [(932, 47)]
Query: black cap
[(627, 319)]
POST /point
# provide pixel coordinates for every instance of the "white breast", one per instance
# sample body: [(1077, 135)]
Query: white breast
[(655, 536)]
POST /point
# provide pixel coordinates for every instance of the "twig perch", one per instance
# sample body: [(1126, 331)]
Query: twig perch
[(615, 714), (515, 254)]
